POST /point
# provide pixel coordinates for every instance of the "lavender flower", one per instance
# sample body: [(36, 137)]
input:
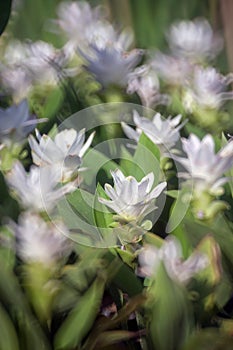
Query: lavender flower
[(145, 83), (16, 123)]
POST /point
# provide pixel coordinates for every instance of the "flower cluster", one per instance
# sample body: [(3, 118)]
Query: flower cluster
[(148, 187)]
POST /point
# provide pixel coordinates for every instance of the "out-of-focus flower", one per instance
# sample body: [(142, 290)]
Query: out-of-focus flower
[(173, 70), (16, 123), (30, 63), (207, 89), (129, 199), (41, 242), (110, 65), (65, 152), (171, 255), (163, 132), (46, 63), (194, 40), (204, 167), (145, 83), (38, 190), (76, 18), (16, 81)]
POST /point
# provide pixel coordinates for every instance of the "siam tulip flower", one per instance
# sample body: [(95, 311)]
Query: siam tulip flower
[(76, 18), (172, 70), (41, 242), (171, 255), (16, 81), (194, 40), (111, 65), (38, 190), (129, 199), (65, 152), (207, 89), (46, 63), (204, 167), (145, 83), (164, 133), (16, 123)]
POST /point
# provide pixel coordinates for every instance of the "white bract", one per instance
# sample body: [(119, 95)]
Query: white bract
[(173, 70), (33, 63), (203, 166), (76, 18), (145, 83), (130, 199), (171, 255), (163, 132), (207, 89), (16, 123), (38, 190), (194, 40), (64, 153), (40, 242)]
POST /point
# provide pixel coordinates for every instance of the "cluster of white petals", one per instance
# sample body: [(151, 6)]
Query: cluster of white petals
[(171, 255), (129, 199), (163, 132), (204, 167), (64, 153), (40, 242), (38, 190)]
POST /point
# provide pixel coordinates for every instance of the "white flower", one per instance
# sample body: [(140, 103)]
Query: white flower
[(145, 83), (65, 152), (45, 62), (130, 199), (41, 242), (75, 18), (16, 122), (163, 132), (38, 189), (34, 62), (171, 255), (194, 40), (203, 166), (173, 70), (16, 81), (207, 89)]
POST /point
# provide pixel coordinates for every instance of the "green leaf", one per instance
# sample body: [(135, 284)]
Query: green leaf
[(171, 318), (5, 11), (81, 318), (8, 338), (146, 159), (95, 161)]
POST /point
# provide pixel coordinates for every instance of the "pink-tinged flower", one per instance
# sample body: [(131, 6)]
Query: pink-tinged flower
[(145, 83)]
